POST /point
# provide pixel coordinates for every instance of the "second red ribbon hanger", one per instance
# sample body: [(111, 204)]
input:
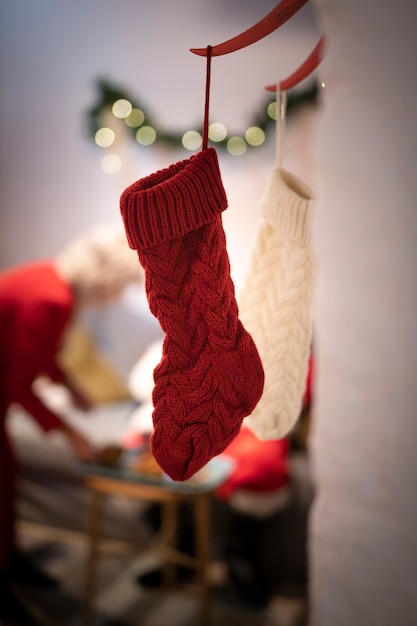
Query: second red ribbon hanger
[(303, 71)]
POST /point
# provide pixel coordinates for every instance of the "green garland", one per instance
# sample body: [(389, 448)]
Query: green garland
[(108, 94)]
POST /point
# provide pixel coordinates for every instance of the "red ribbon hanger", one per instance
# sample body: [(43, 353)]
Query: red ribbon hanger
[(305, 69), (275, 18)]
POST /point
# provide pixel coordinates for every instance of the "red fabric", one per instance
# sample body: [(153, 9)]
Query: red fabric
[(261, 466), (35, 308), (308, 394), (210, 376), (7, 491)]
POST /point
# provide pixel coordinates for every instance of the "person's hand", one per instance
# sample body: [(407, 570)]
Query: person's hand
[(81, 401), (82, 448), (78, 397)]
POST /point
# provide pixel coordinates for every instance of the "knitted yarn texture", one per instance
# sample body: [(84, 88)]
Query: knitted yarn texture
[(276, 302), (210, 376)]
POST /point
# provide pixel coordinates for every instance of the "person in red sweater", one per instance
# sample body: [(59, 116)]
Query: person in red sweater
[(38, 302)]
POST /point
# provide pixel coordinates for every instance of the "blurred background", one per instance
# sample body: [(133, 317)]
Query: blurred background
[(52, 58), (354, 145)]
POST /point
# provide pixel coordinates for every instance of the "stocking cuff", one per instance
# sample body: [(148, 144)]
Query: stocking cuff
[(173, 201), (287, 206)]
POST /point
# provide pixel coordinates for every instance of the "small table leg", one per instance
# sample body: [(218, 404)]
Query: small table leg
[(169, 524), (92, 545), (202, 542)]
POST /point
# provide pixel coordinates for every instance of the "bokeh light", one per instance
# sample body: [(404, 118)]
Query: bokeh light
[(121, 108), (237, 146), (217, 131), (191, 140), (104, 137), (135, 118), (272, 110), (146, 135), (255, 136), (111, 163)]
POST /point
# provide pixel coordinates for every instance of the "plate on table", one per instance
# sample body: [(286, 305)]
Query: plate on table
[(140, 466)]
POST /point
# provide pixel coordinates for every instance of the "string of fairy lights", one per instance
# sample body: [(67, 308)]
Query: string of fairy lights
[(115, 104)]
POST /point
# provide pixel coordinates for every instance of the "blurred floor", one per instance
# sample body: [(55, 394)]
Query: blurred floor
[(120, 601)]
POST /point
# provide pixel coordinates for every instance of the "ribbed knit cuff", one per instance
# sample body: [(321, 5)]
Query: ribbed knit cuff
[(287, 206), (173, 201)]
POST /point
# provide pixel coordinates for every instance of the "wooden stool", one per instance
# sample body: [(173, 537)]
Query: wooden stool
[(103, 482)]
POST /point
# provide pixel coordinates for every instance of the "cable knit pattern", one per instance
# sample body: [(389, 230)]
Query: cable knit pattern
[(210, 376), (276, 302)]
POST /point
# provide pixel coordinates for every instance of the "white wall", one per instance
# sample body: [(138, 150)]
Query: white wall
[(363, 529)]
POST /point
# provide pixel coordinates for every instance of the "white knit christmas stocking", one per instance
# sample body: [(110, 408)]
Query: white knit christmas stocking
[(275, 303)]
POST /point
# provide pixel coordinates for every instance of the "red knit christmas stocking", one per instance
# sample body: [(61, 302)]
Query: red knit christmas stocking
[(210, 376)]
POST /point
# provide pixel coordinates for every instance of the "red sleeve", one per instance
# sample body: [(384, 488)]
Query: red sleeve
[(55, 373), (34, 352), (308, 393), (46, 419), (35, 309)]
